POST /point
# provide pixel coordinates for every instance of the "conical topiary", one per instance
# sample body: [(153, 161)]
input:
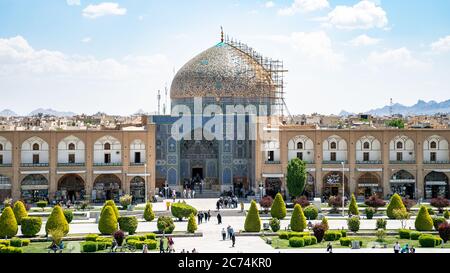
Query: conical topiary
[(107, 224), (192, 224), (149, 215), (394, 204), (19, 211), (298, 219), (252, 221), (325, 223), (423, 222), (8, 223), (278, 209), (353, 207), (57, 220), (111, 204)]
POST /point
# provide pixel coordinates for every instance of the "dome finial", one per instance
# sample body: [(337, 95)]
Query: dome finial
[(221, 34)]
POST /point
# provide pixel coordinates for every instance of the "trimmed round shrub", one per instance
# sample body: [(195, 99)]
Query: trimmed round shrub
[(440, 203), (423, 222), (345, 241), (266, 202), (437, 221), (149, 215), (414, 235), (192, 224), (298, 219), (150, 236), (19, 211), (101, 246), (444, 232), (91, 237), (302, 201), (106, 241), (353, 207), (69, 216), (311, 212), (278, 209), (107, 224), (332, 235), (128, 224), (11, 250), (369, 212), (26, 242), (404, 233), (381, 224), (252, 220), (165, 224), (430, 211), (283, 235), (112, 204), (88, 247), (343, 233), (298, 234), (296, 242), (325, 223), (353, 224), (396, 202), (42, 204), (57, 221), (151, 244), (182, 210), (427, 240), (119, 236), (15, 242), (274, 224), (310, 240), (31, 226), (375, 202), (8, 223)]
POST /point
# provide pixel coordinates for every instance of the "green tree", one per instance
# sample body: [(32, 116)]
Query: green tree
[(252, 221), (298, 219), (353, 207), (192, 224), (111, 204), (19, 211), (396, 123), (149, 215), (296, 177), (107, 224), (394, 204), (57, 220), (423, 222), (8, 223), (325, 223), (278, 209)]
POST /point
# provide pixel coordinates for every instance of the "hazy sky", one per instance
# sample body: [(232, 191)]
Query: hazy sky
[(88, 56)]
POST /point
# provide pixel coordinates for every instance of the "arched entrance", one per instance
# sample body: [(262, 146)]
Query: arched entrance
[(273, 186), (137, 189), (70, 187), (5, 187), (34, 188), (436, 185), (106, 187), (404, 184), (332, 184), (368, 185), (309, 187)]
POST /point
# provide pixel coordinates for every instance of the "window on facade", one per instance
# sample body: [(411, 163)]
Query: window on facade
[(35, 147), (399, 145), (433, 157), (1, 147), (300, 156), (333, 156), (333, 145), (366, 145), (107, 158), (137, 157), (240, 152), (399, 156), (1, 159), (107, 146), (270, 156), (366, 157), (71, 158), (433, 145), (35, 159), (300, 146), (71, 146)]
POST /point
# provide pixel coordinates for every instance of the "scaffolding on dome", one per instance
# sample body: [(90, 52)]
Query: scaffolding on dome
[(275, 68)]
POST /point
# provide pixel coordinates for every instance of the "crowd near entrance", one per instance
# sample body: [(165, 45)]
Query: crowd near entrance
[(273, 186), (106, 187), (137, 189), (5, 187), (70, 187), (34, 187), (436, 185), (332, 184), (404, 184)]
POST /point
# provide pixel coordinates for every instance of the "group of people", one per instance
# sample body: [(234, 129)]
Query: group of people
[(193, 251), (203, 215), (405, 249), (227, 202), (170, 245), (229, 234), (188, 193)]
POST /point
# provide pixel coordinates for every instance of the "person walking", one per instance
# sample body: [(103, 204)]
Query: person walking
[(208, 216), (219, 219), (330, 248), (229, 232), (145, 249), (218, 205), (224, 234), (193, 194), (161, 245), (233, 239), (170, 244), (397, 248), (199, 218)]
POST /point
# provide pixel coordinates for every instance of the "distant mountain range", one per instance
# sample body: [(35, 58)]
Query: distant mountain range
[(7, 113), (420, 108), (52, 112)]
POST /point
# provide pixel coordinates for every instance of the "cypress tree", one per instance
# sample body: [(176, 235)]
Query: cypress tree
[(395, 203), (252, 221), (278, 209), (423, 222), (8, 223), (298, 219), (19, 211), (353, 207), (149, 215), (192, 224), (107, 224), (57, 220)]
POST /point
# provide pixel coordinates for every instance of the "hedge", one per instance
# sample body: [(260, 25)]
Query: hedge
[(10, 250), (4, 242), (107, 224), (31, 226), (15, 242), (151, 244), (106, 241), (310, 240), (278, 209), (274, 224), (8, 223), (298, 219), (69, 216), (414, 235), (395, 203), (89, 247), (332, 235), (136, 238), (41, 204), (110, 203), (343, 233), (423, 222), (296, 242), (57, 221), (19, 211), (404, 233), (182, 210), (151, 236), (311, 212), (353, 223), (101, 246), (91, 237), (369, 212), (165, 224), (428, 240), (252, 220), (128, 224), (149, 215), (26, 242), (348, 242)]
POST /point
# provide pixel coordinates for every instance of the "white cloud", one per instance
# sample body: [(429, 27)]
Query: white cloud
[(363, 15), (141, 17), (364, 40), (442, 45), (103, 9), (395, 58), (304, 6), (73, 2), (86, 40), (269, 4)]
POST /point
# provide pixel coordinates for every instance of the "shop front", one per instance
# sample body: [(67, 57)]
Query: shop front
[(332, 184), (137, 189), (70, 187), (436, 185), (34, 187), (106, 187), (404, 184), (5, 187), (310, 187), (368, 185)]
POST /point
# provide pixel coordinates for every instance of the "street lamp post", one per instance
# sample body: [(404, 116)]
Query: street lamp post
[(145, 183), (261, 190), (343, 188)]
